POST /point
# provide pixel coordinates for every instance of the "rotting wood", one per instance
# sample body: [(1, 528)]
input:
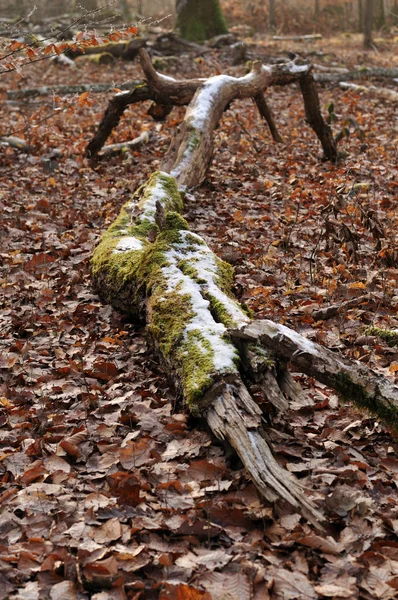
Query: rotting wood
[(168, 91), (63, 90)]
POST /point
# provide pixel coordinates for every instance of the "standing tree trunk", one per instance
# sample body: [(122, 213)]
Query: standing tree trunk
[(360, 16), (272, 22), (199, 21), (317, 11), (381, 15), (367, 29), (125, 10)]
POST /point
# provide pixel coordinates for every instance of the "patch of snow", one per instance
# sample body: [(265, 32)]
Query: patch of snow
[(157, 193), (129, 243), (202, 320)]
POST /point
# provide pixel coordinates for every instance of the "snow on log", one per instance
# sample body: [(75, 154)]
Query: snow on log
[(351, 379), (167, 92), (193, 144)]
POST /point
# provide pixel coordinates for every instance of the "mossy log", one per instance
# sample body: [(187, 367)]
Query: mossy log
[(223, 89), (150, 265)]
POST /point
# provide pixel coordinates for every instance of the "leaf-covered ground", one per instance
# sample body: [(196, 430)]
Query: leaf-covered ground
[(109, 490)]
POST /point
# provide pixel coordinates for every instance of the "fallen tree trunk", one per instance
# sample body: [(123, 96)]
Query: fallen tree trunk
[(166, 91), (183, 291), (150, 265), (64, 90), (376, 91), (362, 73), (114, 149), (127, 50), (298, 38)]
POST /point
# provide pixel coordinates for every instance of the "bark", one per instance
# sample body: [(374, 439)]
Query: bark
[(199, 21)]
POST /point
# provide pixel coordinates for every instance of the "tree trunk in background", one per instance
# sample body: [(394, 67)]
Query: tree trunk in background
[(381, 15), (125, 10), (367, 30), (272, 22), (87, 4), (360, 16), (317, 10), (199, 21)]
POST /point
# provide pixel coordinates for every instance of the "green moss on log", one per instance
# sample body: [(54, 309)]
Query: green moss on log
[(388, 335), (352, 391)]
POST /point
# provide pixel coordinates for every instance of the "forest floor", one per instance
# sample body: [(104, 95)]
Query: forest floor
[(109, 490)]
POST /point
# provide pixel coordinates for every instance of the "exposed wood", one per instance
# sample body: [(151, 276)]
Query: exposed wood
[(352, 379), (234, 416)]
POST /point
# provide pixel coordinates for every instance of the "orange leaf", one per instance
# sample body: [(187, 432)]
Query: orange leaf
[(82, 98), (133, 30), (357, 285)]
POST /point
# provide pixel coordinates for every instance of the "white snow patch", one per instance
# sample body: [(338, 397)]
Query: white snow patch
[(198, 112), (129, 243), (203, 260), (202, 321), (156, 193)]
